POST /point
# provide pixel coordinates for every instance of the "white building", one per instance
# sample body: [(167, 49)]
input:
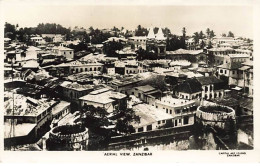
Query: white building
[(181, 110), (66, 52), (32, 52), (150, 118)]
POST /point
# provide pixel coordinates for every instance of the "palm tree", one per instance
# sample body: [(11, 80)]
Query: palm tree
[(201, 35), (208, 32), (184, 32), (196, 37)]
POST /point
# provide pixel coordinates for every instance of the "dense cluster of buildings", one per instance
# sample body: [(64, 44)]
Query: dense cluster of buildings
[(45, 83)]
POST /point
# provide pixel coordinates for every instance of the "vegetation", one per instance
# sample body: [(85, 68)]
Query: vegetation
[(69, 129), (215, 109), (144, 54), (124, 118)]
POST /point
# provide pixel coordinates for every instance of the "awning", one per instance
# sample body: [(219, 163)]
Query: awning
[(244, 68), (237, 88)]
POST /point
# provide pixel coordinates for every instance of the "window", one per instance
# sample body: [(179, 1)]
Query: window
[(86, 69), (149, 128), (225, 71), (179, 120), (233, 72), (156, 106), (70, 52), (64, 53), (170, 111), (167, 110), (176, 123), (186, 120), (159, 122), (140, 129), (95, 69), (206, 88), (163, 121)]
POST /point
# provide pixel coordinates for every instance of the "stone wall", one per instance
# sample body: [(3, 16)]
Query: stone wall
[(60, 140)]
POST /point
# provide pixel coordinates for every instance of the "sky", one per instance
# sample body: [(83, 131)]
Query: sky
[(221, 19)]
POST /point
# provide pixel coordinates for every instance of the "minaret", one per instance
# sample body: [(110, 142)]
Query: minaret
[(160, 35), (151, 34)]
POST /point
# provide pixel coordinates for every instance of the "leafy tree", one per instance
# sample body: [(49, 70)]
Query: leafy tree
[(97, 36), (124, 121), (144, 54), (141, 31), (223, 35), (210, 45), (93, 117), (167, 32), (10, 31), (202, 44), (212, 34), (80, 47), (112, 46), (175, 43), (230, 34)]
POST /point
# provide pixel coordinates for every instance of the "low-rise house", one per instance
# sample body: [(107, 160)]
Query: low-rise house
[(72, 91), (27, 111), (189, 55), (238, 74), (37, 40), (181, 110), (212, 87), (59, 111), (189, 89), (219, 55), (32, 53), (64, 51), (105, 98), (138, 42), (150, 118), (124, 85), (74, 67), (146, 93)]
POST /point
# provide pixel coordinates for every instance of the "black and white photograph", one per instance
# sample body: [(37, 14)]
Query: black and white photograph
[(136, 78)]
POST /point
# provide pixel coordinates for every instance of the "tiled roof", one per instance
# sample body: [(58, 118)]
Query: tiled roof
[(189, 86), (231, 66), (209, 80)]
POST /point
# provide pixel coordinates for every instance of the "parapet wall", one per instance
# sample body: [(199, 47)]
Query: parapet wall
[(216, 119), (64, 140)]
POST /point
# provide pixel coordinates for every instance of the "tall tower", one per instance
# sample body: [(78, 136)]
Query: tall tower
[(156, 43), (161, 43), (150, 41)]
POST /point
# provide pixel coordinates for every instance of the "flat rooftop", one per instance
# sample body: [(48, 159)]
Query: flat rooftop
[(60, 106), (103, 98), (148, 115), (26, 106), (19, 129), (174, 102)]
